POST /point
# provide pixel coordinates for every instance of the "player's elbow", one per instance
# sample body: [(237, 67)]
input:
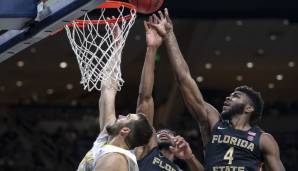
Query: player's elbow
[(145, 97), (183, 76)]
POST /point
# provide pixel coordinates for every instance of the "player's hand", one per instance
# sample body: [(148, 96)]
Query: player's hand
[(164, 24), (115, 29), (181, 149), (153, 39)]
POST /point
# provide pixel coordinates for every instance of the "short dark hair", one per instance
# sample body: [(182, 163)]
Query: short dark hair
[(257, 102), (141, 132)]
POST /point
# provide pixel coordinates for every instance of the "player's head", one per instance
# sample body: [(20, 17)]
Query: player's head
[(135, 129), (165, 138), (244, 100)]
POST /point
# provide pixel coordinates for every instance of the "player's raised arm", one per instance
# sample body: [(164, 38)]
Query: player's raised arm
[(270, 151), (107, 112), (190, 91), (145, 103)]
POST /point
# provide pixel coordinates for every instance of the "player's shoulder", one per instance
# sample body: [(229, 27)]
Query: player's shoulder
[(267, 137), (112, 161), (113, 158), (267, 142)]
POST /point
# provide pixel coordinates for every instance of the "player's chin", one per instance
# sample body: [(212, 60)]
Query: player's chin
[(225, 108), (225, 114), (164, 144), (167, 141)]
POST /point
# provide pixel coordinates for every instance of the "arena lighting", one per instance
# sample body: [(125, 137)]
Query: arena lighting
[(286, 22), (270, 85), (208, 65), (228, 38), (137, 37), (217, 52), (69, 86), (291, 64), (20, 64), (33, 50), (19, 83), (279, 77), (200, 79), (249, 65), (239, 77), (63, 65), (273, 37), (239, 23), (74, 102), (35, 97), (50, 91), (261, 51), (2, 88)]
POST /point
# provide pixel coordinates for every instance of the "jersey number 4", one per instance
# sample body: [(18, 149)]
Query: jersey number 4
[(229, 155)]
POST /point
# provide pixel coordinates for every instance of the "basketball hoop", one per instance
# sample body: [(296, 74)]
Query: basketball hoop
[(98, 44)]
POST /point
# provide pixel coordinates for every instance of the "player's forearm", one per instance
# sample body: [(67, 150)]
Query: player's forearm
[(189, 89), (147, 78), (176, 58), (107, 107), (194, 164)]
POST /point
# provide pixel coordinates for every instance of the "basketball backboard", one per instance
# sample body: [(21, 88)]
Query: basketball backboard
[(51, 16)]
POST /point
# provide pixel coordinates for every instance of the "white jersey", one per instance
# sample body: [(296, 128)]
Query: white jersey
[(99, 149)]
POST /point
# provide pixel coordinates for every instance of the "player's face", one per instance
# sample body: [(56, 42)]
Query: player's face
[(234, 104), (127, 118), (165, 139), (113, 129)]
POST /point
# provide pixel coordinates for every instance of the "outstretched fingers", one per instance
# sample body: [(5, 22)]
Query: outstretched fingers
[(167, 14), (156, 20), (161, 16), (146, 26)]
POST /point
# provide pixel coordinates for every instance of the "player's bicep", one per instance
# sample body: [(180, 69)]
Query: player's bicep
[(213, 115), (112, 162), (270, 150)]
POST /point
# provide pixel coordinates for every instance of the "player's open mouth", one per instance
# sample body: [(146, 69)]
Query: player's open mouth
[(163, 137), (226, 103)]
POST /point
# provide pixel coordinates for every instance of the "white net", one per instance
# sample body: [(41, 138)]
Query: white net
[(98, 46)]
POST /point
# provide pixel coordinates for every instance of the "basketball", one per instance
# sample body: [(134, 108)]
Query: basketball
[(147, 6)]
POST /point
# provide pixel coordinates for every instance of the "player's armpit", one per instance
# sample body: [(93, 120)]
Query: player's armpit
[(270, 151), (213, 115), (146, 106), (112, 162)]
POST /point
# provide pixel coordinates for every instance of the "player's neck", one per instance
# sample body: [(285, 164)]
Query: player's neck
[(240, 122), (119, 142), (167, 154)]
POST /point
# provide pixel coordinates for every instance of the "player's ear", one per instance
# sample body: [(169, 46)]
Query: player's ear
[(125, 131), (249, 109)]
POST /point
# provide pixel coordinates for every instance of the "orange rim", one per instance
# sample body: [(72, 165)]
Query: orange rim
[(115, 4), (107, 4)]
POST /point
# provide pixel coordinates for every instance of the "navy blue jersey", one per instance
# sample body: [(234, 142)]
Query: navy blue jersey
[(155, 161), (233, 150)]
